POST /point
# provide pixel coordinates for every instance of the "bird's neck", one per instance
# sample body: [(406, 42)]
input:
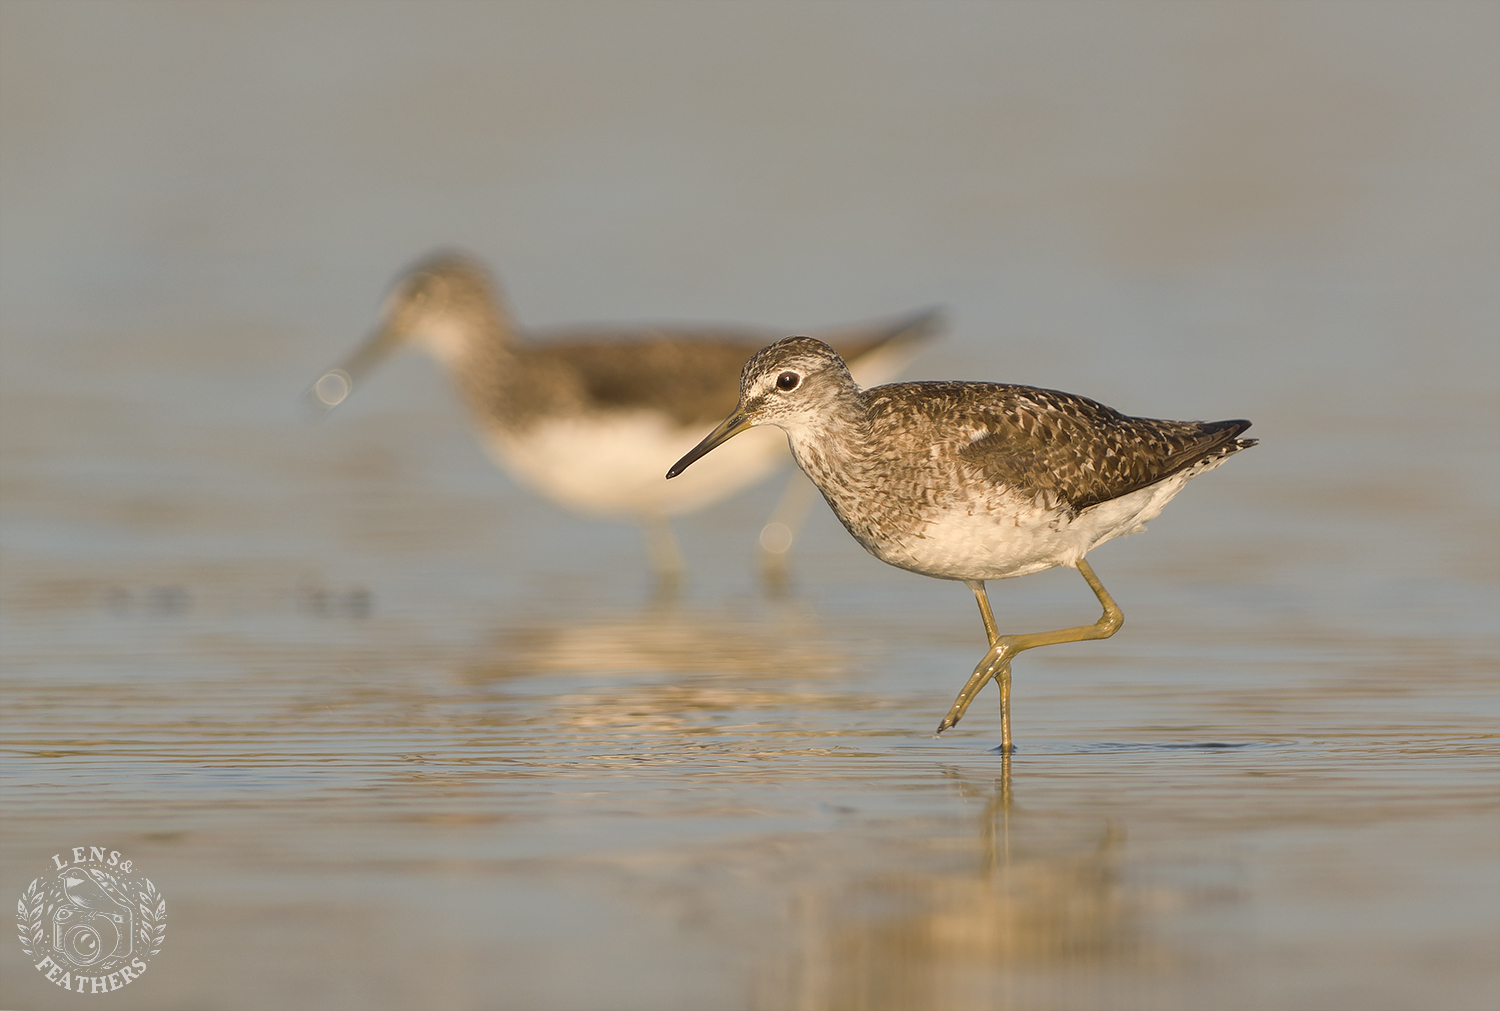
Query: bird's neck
[(477, 348), (843, 458), (834, 450)]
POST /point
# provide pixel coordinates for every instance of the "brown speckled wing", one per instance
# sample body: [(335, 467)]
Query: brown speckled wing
[(690, 374), (1069, 450), (692, 379)]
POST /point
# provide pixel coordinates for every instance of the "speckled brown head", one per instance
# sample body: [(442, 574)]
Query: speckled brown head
[(795, 381), (447, 302)]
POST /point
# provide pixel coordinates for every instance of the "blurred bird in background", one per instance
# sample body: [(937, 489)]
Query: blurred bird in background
[(590, 417)]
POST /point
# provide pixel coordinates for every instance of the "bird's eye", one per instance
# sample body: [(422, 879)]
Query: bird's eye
[(787, 381)]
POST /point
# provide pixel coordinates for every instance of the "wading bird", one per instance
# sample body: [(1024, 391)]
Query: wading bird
[(973, 481)]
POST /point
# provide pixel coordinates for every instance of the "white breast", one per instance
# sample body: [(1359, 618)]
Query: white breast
[(617, 465)]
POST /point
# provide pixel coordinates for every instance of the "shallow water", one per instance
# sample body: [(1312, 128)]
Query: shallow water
[(387, 731)]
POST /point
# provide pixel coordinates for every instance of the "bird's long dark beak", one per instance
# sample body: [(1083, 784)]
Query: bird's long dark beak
[(334, 386), (728, 429)]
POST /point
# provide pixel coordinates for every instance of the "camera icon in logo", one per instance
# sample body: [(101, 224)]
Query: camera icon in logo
[(95, 924)]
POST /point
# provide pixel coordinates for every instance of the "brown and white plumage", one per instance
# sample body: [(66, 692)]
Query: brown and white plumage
[(972, 481), (590, 416)]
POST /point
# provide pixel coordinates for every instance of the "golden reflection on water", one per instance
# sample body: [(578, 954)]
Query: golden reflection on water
[(666, 638), (969, 920)]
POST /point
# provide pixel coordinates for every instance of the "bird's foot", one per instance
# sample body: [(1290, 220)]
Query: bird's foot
[(996, 663)]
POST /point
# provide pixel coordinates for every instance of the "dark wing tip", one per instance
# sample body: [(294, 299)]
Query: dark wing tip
[(1224, 436), (1231, 429), (924, 321), (922, 325), (913, 328)]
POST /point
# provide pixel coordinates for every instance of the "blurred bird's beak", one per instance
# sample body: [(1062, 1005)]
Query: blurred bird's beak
[(728, 429), (334, 386)]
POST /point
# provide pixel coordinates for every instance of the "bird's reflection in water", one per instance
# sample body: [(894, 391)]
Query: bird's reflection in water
[(956, 932), (664, 638), (667, 667), (975, 903)]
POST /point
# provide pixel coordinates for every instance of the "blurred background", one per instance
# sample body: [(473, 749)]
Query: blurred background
[(389, 731)]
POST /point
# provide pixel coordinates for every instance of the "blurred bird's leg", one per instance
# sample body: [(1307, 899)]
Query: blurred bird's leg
[(780, 531), (665, 555)]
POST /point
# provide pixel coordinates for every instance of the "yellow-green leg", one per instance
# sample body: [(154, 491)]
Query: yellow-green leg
[(996, 663)]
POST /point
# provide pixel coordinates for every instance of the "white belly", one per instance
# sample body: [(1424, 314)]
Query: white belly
[(617, 465), (1015, 537)]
